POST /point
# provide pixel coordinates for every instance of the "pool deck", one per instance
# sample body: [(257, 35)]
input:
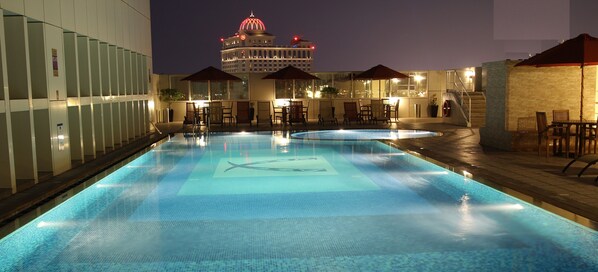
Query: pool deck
[(535, 179)]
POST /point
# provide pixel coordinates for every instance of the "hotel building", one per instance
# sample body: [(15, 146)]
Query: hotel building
[(75, 79), (252, 50)]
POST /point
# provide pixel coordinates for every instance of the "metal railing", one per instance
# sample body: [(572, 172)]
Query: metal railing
[(460, 92)]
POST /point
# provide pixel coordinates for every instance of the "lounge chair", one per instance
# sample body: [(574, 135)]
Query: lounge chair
[(263, 112), (244, 115), (351, 113), (326, 113), (378, 111), (589, 159), (296, 113)]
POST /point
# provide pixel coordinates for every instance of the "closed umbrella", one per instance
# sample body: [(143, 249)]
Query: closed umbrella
[(579, 51), (380, 72)]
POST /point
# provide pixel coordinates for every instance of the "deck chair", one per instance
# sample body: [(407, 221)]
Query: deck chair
[(326, 112), (215, 113), (560, 115), (191, 115), (589, 159), (546, 133), (227, 112), (244, 115), (394, 110), (351, 113), (296, 113), (263, 112), (378, 111)]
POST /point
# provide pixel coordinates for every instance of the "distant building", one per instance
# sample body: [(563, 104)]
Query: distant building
[(252, 50)]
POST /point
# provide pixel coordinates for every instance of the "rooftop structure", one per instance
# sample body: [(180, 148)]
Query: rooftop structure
[(252, 50)]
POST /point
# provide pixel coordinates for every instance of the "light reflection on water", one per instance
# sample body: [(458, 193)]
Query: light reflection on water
[(368, 207)]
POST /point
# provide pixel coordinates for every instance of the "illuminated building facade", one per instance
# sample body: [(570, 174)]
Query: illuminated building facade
[(252, 50)]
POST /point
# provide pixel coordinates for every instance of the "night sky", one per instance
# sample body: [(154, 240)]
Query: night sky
[(356, 35)]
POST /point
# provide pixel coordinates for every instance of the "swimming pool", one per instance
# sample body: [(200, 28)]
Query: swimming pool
[(267, 201), (364, 134)]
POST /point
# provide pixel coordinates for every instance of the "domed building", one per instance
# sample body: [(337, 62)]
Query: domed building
[(252, 50)]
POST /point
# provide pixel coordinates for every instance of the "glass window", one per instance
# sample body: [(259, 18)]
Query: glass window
[(183, 86), (283, 89), (239, 90), (303, 89)]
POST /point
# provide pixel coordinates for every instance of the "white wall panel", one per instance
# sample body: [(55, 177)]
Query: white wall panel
[(34, 9), (71, 64), (52, 10), (101, 10), (16, 6), (67, 14), (119, 21), (81, 20), (127, 23), (17, 57), (55, 67), (110, 24), (92, 18), (147, 38), (59, 133), (37, 58)]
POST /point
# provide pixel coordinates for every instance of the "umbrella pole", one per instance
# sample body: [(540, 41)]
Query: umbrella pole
[(293, 89), (209, 91), (581, 100)]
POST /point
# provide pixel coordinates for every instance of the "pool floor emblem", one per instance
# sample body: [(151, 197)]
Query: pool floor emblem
[(252, 165)]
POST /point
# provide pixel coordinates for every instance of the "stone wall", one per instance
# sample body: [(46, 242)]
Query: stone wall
[(495, 134), (532, 89), (518, 92)]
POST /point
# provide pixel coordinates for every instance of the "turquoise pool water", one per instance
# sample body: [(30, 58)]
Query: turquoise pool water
[(269, 202)]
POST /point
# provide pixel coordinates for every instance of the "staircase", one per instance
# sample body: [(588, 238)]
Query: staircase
[(478, 109), (472, 104)]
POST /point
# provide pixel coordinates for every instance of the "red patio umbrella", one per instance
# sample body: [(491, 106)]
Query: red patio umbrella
[(211, 74), (579, 51), (380, 72)]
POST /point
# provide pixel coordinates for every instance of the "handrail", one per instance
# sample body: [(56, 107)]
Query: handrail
[(456, 97), (157, 129), (459, 86)]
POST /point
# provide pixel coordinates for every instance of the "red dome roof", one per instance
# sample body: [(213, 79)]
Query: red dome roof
[(252, 24)]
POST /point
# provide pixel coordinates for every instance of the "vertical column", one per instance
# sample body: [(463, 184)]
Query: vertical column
[(87, 120), (128, 73), (117, 132), (107, 95), (7, 163), (130, 120), (19, 90), (46, 51), (134, 74), (74, 103), (124, 116), (96, 91)]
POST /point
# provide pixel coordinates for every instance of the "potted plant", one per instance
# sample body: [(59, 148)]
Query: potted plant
[(168, 96), (329, 91), (433, 106)]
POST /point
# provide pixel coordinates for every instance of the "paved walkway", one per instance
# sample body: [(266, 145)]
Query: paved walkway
[(533, 178)]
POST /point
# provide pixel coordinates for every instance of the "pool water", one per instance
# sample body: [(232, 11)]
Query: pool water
[(364, 134), (270, 202)]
